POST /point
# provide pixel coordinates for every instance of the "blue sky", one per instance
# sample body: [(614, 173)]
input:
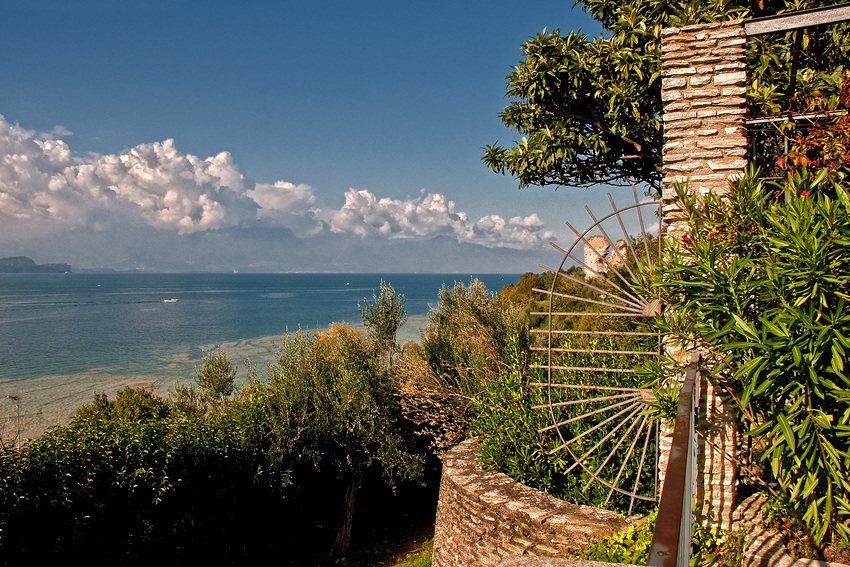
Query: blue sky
[(343, 122)]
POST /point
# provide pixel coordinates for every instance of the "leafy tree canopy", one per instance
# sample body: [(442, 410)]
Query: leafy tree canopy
[(589, 109), (383, 317)]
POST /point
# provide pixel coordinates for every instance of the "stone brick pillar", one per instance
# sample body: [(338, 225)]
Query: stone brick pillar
[(703, 69)]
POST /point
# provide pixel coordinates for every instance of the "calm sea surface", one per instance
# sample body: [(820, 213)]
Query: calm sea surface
[(64, 324)]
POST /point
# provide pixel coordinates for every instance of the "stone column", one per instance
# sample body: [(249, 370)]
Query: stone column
[(703, 84), (703, 70)]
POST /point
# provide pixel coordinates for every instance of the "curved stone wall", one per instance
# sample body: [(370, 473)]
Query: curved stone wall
[(484, 517)]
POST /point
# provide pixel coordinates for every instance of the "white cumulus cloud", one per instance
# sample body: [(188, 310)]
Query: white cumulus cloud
[(293, 206), (517, 232), (40, 180), (45, 187), (364, 215)]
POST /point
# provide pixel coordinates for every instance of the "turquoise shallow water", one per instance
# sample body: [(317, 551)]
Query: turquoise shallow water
[(63, 336)]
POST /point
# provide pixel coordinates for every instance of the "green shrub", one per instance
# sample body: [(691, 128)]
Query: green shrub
[(225, 479), (714, 547), (510, 416), (762, 285), (462, 351), (139, 483), (629, 546), (383, 317), (507, 429)]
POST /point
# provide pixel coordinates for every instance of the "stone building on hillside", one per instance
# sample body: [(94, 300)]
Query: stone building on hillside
[(599, 257)]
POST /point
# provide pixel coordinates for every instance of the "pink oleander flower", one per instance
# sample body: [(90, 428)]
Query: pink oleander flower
[(804, 192)]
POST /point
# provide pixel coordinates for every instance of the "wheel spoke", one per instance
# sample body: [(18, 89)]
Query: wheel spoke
[(598, 328)]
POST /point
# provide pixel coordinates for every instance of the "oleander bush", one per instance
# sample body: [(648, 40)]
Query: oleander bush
[(760, 281)]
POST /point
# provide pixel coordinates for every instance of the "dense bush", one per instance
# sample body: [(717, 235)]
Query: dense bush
[(132, 480), (761, 283), (507, 427), (463, 349), (513, 428), (266, 475)]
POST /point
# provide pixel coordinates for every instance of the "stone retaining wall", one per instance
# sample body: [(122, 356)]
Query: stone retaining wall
[(485, 517)]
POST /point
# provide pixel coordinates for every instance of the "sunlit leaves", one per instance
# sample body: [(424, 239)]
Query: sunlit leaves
[(763, 285), (589, 109)]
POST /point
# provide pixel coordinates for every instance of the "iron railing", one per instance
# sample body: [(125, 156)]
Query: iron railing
[(671, 540)]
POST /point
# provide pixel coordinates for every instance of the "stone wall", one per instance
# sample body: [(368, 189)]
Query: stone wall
[(484, 517), (703, 69), (703, 82)]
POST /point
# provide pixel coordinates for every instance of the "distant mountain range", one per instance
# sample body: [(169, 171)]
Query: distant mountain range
[(270, 249), (24, 265)]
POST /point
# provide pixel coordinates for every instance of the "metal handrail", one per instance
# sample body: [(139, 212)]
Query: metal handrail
[(671, 540)]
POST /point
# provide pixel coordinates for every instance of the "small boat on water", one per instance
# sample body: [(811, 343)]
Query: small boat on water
[(169, 300)]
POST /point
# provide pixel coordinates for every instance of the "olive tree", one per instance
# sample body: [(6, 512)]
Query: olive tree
[(383, 317), (335, 416)]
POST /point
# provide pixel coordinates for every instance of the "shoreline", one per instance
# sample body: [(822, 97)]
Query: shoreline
[(47, 401)]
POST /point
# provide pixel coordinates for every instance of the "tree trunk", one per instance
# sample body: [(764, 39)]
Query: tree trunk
[(343, 534)]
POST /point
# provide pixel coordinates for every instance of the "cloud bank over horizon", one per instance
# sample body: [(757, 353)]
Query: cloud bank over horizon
[(46, 189)]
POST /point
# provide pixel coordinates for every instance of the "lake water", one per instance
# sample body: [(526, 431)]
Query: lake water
[(65, 336)]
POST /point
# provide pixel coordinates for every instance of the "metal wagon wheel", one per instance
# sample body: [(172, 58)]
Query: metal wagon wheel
[(597, 328)]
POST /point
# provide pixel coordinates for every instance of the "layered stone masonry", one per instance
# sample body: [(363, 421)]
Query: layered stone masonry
[(703, 69), (703, 82), (486, 517), (599, 256)]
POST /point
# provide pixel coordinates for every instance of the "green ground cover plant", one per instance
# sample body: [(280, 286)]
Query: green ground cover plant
[(630, 546)]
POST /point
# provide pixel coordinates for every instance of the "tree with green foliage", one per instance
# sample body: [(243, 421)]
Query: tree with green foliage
[(216, 383), (384, 317), (589, 109), (335, 416), (216, 376)]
